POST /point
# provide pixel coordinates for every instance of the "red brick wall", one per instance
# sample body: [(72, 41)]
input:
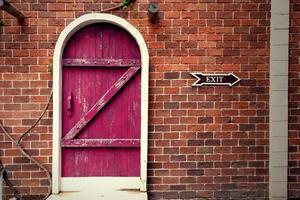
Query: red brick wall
[(211, 141), (294, 101), (203, 142)]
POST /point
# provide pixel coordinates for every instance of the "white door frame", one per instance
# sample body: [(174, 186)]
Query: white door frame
[(71, 184)]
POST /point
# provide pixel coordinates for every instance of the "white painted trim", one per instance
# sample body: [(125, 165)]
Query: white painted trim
[(278, 137), (65, 35), (99, 183)]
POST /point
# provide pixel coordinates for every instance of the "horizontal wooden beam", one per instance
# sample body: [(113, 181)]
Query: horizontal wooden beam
[(4, 5), (101, 62), (101, 143)]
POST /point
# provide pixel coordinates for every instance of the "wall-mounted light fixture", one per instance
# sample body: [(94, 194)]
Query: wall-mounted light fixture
[(153, 10)]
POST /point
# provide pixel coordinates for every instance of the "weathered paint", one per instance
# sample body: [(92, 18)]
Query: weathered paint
[(100, 62), (113, 90), (102, 52), (101, 143)]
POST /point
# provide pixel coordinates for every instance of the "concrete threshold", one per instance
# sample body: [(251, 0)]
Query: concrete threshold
[(100, 195)]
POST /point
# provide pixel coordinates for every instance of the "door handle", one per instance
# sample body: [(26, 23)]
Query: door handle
[(69, 104)]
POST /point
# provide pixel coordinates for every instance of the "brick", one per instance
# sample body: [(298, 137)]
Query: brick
[(177, 187), (195, 172), (187, 195), (12, 106), (178, 158), (171, 75), (205, 120), (20, 160), (38, 7), (246, 127), (170, 195), (212, 142), (173, 105), (205, 150)]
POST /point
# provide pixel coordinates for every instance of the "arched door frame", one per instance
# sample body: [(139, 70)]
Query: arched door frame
[(64, 37)]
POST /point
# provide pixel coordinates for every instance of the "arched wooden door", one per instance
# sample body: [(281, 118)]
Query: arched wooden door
[(101, 103)]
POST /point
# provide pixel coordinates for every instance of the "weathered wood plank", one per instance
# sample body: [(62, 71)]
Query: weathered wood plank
[(100, 62), (101, 103), (101, 143)]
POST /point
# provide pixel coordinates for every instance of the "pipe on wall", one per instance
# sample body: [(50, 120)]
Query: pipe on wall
[(6, 6)]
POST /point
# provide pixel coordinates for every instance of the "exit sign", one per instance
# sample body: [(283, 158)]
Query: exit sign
[(215, 79)]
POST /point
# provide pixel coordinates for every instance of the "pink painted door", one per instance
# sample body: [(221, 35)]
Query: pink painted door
[(101, 103)]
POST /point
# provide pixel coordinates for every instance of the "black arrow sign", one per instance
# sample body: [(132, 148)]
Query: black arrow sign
[(215, 79)]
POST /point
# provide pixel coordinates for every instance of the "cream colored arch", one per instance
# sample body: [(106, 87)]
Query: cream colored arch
[(57, 181)]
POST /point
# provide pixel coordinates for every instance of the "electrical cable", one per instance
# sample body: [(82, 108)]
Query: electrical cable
[(24, 153)]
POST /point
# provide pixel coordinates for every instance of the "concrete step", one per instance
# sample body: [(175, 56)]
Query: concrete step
[(100, 195)]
